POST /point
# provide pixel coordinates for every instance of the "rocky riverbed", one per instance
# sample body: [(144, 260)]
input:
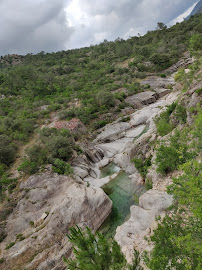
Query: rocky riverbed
[(49, 204), (119, 142)]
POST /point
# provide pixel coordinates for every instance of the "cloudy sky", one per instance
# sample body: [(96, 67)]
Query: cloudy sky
[(52, 25)]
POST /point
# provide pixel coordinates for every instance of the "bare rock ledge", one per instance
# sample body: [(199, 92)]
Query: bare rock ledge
[(49, 205)]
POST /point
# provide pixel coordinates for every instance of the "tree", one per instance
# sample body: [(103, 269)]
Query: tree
[(7, 150), (196, 42), (161, 26), (95, 252)]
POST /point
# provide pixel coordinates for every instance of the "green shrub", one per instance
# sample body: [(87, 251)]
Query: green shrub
[(20, 237), (196, 42), (31, 223), (179, 75), (100, 124), (148, 183), (28, 167), (142, 165), (59, 147), (7, 150), (62, 167), (163, 75), (2, 235), (37, 154), (6, 183), (163, 125), (168, 158), (199, 91), (10, 245), (180, 113)]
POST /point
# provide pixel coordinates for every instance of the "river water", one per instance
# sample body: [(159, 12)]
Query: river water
[(124, 193)]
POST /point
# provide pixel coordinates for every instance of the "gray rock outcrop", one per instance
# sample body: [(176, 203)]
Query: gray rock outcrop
[(49, 205), (140, 99), (113, 132)]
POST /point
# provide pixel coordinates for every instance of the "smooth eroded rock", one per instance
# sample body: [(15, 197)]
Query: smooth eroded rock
[(49, 205)]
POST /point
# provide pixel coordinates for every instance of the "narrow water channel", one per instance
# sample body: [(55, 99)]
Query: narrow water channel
[(123, 192)]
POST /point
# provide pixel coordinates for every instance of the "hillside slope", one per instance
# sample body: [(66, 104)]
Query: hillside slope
[(135, 104)]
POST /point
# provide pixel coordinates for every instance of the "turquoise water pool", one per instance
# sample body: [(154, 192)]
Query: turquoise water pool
[(123, 192)]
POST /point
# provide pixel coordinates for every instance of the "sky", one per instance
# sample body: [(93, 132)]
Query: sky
[(32, 26)]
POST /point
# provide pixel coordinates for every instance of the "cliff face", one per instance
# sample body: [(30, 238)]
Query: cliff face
[(49, 205), (197, 9)]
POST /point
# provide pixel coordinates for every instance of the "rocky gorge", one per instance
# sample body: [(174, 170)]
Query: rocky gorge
[(49, 204)]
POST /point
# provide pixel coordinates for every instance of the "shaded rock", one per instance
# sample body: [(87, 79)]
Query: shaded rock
[(94, 154), (162, 92), (185, 62), (112, 132), (156, 82), (53, 203), (143, 98)]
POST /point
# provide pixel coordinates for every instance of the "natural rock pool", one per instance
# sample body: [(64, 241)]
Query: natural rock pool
[(110, 169), (123, 192)]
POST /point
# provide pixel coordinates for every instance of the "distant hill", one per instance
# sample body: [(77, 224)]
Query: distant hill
[(197, 9)]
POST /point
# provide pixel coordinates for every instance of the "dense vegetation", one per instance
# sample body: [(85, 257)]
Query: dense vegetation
[(177, 240), (82, 82)]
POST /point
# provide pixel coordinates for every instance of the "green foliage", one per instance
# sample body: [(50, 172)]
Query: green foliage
[(59, 147), (10, 245), (162, 61), (177, 239), (142, 165), (20, 237), (148, 183), (196, 42), (56, 147), (199, 91), (161, 26), (6, 184), (28, 167), (197, 130), (180, 113), (168, 158), (187, 187), (7, 150), (61, 167), (96, 252), (2, 235), (163, 125), (179, 76), (162, 75)]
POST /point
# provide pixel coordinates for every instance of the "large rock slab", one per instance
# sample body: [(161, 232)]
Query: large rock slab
[(143, 98), (132, 233), (113, 132), (49, 205), (157, 82)]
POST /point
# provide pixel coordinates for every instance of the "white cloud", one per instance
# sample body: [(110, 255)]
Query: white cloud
[(182, 16), (33, 26), (51, 25), (95, 21)]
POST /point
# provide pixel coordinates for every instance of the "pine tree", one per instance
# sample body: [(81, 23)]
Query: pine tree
[(95, 252)]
